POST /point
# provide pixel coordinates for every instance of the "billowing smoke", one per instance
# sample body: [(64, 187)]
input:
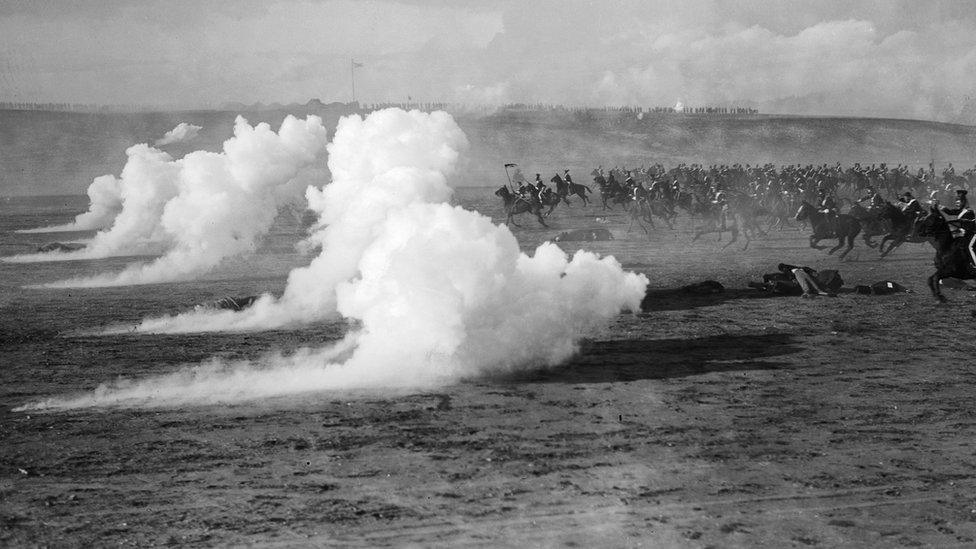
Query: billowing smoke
[(389, 161), (181, 133), (436, 293), (205, 207), (104, 203)]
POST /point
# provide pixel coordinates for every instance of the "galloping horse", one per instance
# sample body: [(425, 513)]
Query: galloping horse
[(844, 228), (872, 223), (904, 229), (515, 205), (952, 256), (712, 214), (612, 190), (564, 189)]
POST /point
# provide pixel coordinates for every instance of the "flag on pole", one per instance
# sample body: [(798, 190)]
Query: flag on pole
[(510, 165), (356, 64)]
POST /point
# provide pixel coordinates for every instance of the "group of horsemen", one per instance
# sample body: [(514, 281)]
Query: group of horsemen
[(717, 187)]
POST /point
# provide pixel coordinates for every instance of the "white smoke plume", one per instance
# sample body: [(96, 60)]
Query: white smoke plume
[(389, 161), (105, 202), (437, 293), (204, 207), (182, 132)]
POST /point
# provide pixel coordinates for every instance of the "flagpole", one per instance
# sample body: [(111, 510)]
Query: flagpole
[(352, 74)]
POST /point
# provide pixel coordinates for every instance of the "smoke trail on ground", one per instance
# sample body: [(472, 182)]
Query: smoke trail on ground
[(437, 293), (205, 207)]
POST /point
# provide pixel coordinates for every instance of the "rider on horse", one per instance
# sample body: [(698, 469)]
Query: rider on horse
[(911, 207), (963, 221), (877, 201), (722, 206)]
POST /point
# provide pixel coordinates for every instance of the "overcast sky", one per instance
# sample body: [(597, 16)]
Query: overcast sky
[(875, 58)]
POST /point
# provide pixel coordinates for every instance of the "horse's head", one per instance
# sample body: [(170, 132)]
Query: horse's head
[(804, 211), (502, 191), (556, 179)]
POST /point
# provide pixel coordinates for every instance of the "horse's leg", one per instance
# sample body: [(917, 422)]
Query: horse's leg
[(840, 244), (881, 245), (850, 246), (867, 240), (735, 236), (936, 288), (538, 215)]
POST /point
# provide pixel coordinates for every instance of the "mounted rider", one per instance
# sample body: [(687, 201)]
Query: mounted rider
[(518, 178), (962, 220), (540, 187), (910, 206), (876, 201), (722, 205), (827, 206)]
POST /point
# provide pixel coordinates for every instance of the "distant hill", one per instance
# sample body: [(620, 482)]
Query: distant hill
[(47, 153)]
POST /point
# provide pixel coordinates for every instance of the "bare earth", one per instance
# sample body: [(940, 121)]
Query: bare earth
[(734, 420)]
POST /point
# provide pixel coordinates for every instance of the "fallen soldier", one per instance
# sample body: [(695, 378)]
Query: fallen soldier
[(802, 281)]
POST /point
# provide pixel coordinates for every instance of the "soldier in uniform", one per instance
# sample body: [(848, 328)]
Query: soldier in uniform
[(911, 207), (540, 187), (963, 222), (723, 208)]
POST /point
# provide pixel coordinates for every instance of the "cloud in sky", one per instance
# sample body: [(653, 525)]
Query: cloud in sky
[(885, 58)]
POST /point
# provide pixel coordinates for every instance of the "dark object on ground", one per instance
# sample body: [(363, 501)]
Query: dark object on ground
[(706, 287), (885, 287), (784, 282), (60, 247), (232, 303), (586, 235)]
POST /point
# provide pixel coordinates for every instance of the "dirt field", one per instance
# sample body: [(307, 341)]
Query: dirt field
[(733, 420)]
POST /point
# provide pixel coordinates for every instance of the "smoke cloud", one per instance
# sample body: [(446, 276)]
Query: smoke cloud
[(435, 293), (205, 207), (182, 132), (105, 202)]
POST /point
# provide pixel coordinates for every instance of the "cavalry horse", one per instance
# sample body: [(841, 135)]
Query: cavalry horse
[(872, 223), (612, 191), (712, 216), (565, 189), (904, 228), (515, 204), (952, 255), (844, 228), (646, 207)]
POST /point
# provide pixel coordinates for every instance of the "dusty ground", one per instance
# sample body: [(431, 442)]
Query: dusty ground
[(713, 421)]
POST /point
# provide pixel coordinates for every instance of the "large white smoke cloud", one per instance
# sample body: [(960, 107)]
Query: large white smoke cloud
[(204, 207), (436, 293)]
